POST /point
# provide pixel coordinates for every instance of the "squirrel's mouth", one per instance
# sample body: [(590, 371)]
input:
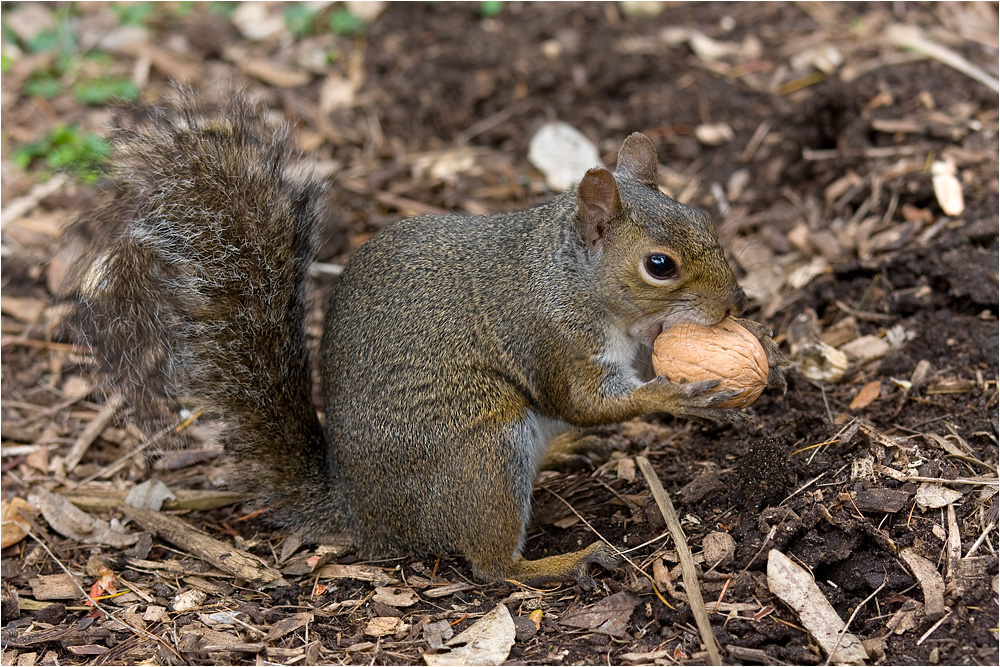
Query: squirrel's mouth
[(647, 328)]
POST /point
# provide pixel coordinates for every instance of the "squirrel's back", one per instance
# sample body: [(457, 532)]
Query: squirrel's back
[(196, 296)]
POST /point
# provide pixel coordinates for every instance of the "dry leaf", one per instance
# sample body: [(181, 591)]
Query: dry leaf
[(69, 521), (933, 496), (866, 395), (188, 600), (485, 642), (396, 596), (609, 616), (287, 625), (947, 188), (626, 469), (15, 527), (563, 154), (931, 582), (795, 587)]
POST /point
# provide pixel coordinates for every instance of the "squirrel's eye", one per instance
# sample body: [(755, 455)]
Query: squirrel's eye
[(661, 267)]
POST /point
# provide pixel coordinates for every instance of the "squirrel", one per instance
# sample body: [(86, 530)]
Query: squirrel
[(454, 347)]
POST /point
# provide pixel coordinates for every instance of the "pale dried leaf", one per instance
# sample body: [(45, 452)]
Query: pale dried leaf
[(563, 154), (866, 395), (188, 600), (149, 495), (15, 527), (933, 496), (69, 521), (396, 596), (610, 616), (931, 582), (486, 642), (796, 588)]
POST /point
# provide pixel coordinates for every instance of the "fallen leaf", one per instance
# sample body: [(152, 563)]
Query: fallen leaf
[(626, 469), (485, 642), (932, 496), (610, 616), (866, 395), (795, 587), (287, 625), (563, 154), (947, 188), (396, 596), (930, 580), (15, 526), (69, 521), (188, 600)]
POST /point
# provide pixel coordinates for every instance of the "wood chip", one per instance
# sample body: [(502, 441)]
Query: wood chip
[(882, 500), (55, 587), (356, 572)]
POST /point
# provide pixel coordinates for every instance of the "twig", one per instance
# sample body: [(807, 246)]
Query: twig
[(843, 630), (97, 605), (92, 431), (932, 629), (689, 573), (20, 206), (909, 37), (605, 540), (980, 539)]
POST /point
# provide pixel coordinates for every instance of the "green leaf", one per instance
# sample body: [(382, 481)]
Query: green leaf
[(102, 90), (65, 148), (490, 8), (300, 20), (133, 13), (43, 84), (343, 22)]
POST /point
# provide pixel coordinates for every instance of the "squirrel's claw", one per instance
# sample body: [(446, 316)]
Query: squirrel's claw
[(776, 360)]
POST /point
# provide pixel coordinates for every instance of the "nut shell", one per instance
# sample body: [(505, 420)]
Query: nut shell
[(727, 352)]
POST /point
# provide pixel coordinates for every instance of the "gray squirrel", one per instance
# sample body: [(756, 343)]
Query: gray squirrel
[(454, 347)]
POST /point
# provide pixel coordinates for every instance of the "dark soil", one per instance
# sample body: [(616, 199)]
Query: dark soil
[(827, 167)]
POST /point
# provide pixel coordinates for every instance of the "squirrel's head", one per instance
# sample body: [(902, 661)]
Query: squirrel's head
[(663, 257)]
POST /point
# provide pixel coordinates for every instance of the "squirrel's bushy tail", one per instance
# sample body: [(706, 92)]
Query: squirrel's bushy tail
[(196, 296)]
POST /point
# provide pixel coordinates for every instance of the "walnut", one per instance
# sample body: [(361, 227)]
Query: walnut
[(727, 352)]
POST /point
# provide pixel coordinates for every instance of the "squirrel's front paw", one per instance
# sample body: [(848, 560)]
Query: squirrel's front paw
[(776, 360), (698, 400)]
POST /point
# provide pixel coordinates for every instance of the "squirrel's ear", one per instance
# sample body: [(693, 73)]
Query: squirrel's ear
[(599, 203), (637, 159)]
